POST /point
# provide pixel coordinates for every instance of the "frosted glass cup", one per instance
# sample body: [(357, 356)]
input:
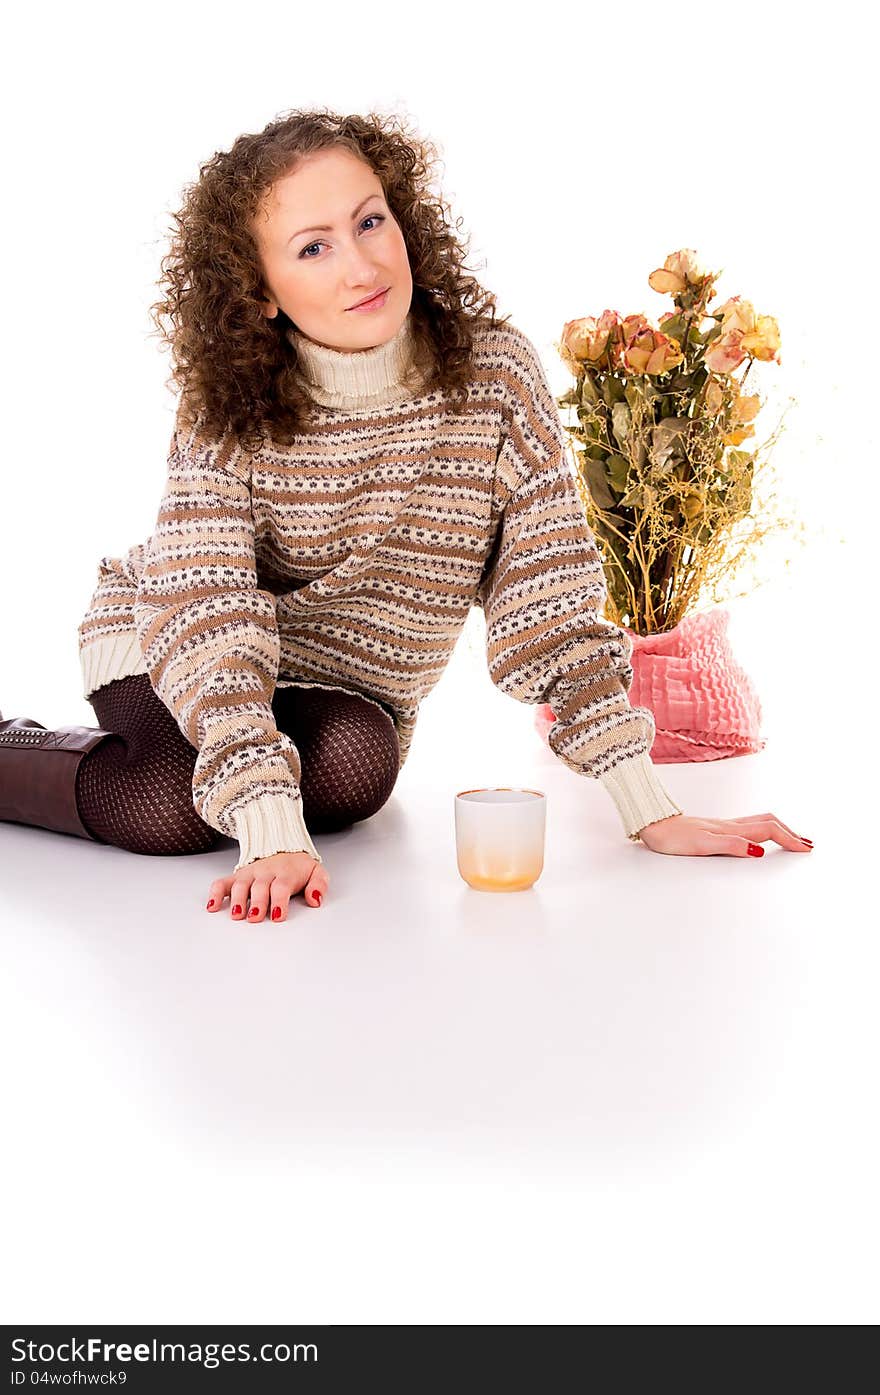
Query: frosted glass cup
[(499, 837)]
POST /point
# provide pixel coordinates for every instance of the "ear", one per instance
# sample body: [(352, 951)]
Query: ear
[(269, 309)]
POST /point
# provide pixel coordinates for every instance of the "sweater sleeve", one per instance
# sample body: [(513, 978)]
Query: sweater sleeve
[(543, 591), (210, 642)]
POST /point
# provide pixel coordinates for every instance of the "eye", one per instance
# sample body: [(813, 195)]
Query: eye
[(370, 218)]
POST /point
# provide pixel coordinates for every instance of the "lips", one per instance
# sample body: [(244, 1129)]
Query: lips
[(375, 296)]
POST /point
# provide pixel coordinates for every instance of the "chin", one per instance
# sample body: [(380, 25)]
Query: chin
[(376, 329)]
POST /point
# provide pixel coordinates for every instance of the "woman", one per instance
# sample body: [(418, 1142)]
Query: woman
[(362, 451)]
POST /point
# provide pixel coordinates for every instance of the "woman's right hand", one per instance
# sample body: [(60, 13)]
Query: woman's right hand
[(264, 888)]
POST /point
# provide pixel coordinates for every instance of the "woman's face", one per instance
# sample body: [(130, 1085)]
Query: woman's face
[(327, 238)]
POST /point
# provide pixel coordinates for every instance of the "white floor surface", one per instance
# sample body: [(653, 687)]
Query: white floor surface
[(643, 1091)]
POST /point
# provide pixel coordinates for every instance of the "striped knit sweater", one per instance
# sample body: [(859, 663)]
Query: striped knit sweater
[(352, 560)]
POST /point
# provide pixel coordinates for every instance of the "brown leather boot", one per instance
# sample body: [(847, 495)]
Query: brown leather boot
[(38, 774)]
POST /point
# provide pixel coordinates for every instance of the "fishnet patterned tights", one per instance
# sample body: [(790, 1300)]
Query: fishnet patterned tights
[(135, 789)]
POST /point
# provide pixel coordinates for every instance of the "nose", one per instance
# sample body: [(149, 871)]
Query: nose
[(361, 273)]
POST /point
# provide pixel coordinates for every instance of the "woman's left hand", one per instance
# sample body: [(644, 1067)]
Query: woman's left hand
[(687, 835)]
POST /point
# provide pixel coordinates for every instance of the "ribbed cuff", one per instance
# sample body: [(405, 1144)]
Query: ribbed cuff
[(110, 657), (638, 794), (271, 824)]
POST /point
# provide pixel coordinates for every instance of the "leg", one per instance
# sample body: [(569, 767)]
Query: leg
[(133, 779), (349, 752), (135, 791)]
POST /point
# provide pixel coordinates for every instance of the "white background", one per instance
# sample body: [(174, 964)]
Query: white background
[(644, 1091)]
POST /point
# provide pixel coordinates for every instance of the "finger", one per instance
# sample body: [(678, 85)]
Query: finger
[(217, 893), (259, 901), (763, 828), (239, 897), (280, 894), (763, 819), (733, 845), (316, 886)]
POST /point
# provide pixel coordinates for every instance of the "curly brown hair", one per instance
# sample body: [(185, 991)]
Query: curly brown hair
[(235, 368)]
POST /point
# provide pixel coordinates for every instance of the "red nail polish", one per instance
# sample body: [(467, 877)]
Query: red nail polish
[(210, 904), (755, 850), (276, 913), (316, 896), (808, 841), (255, 910), (236, 910)]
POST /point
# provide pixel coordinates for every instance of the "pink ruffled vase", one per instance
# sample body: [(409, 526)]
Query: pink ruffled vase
[(705, 706)]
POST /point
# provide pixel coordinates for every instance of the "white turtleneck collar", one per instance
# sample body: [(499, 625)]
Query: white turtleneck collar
[(363, 379)]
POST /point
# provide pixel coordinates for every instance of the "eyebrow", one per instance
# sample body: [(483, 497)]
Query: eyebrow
[(325, 227)]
